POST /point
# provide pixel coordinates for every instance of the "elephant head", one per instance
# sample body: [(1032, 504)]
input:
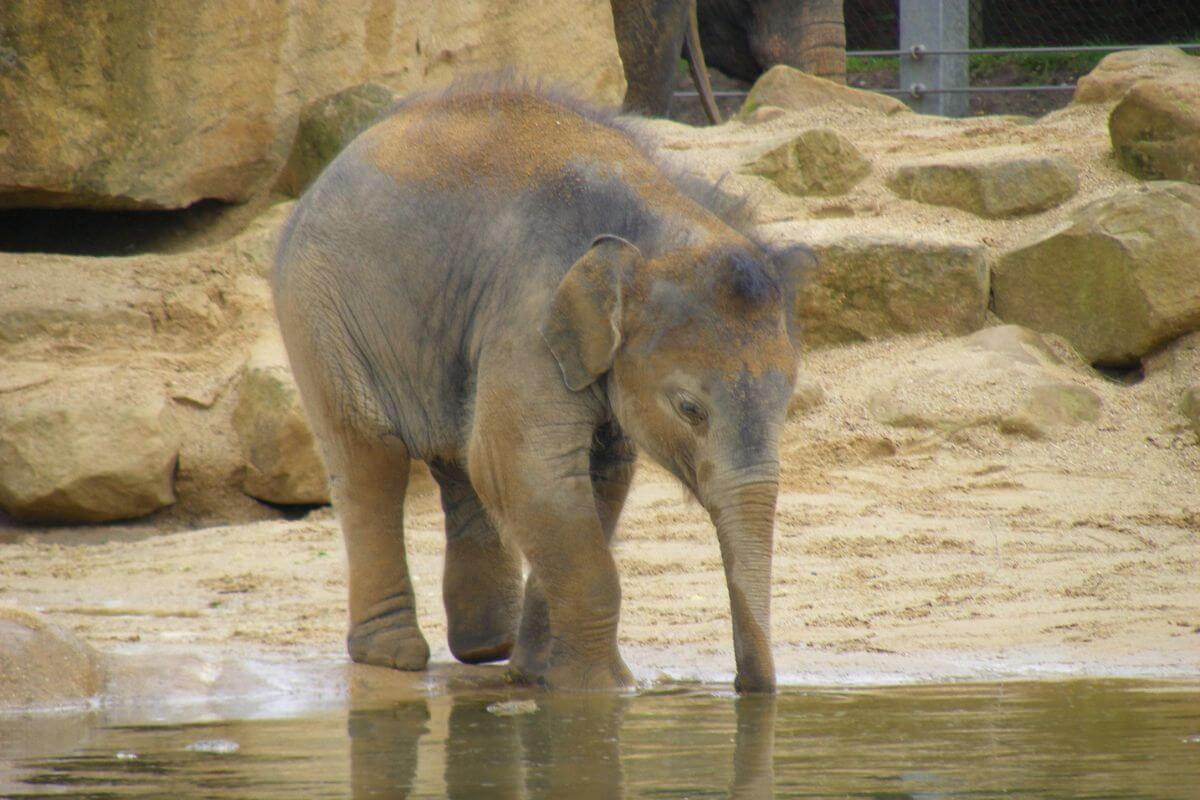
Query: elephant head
[(696, 352)]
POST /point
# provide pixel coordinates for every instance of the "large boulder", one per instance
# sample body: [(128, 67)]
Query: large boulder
[(1155, 130), (789, 88), (1007, 378), (871, 286), (816, 162), (1118, 72), (326, 126), (133, 105), (282, 462), (1119, 277), (90, 446), (42, 666), (995, 182)]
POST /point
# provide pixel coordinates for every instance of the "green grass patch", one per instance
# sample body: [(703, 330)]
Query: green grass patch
[(863, 64), (1032, 68)]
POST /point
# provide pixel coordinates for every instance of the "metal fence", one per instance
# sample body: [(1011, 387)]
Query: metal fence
[(950, 53)]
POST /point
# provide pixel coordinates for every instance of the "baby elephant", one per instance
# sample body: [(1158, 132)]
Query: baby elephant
[(505, 286)]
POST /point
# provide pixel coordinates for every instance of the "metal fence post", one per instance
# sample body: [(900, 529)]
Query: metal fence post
[(934, 25)]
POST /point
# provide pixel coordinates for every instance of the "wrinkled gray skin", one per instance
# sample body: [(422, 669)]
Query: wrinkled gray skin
[(745, 38), (650, 35), (741, 38), (512, 292)]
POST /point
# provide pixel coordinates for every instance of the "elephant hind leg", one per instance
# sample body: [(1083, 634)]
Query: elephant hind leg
[(369, 479), (481, 586)]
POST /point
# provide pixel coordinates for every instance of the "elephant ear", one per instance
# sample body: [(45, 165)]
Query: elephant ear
[(583, 328), (796, 264)]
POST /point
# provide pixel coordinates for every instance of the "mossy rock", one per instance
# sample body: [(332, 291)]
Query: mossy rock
[(817, 162), (791, 89), (1118, 279), (874, 286), (1155, 131), (329, 124), (992, 183)]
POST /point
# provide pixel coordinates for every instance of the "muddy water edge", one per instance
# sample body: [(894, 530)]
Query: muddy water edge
[(1037, 739)]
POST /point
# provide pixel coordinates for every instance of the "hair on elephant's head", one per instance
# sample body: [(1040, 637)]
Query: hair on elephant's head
[(697, 350)]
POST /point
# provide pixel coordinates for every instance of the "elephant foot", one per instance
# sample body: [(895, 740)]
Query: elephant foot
[(481, 592), (475, 647), (482, 625), (388, 642), (612, 676), (526, 667)]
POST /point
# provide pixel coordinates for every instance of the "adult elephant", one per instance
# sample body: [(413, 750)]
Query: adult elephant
[(745, 38), (742, 38)]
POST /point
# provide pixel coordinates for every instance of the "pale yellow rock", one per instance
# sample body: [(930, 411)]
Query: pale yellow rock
[(816, 162), (764, 114), (1118, 72), (994, 182), (1005, 378), (130, 104), (806, 396), (42, 666), (1155, 130), (875, 286), (1117, 279), (1013, 341), (280, 453), (93, 445), (1189, 406), (1054, 403), (789, 88)]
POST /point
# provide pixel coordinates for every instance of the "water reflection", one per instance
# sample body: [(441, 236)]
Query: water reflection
[(1081, 739), (571, 746)]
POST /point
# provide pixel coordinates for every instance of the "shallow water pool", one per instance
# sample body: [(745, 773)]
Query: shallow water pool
[(1069, 739)]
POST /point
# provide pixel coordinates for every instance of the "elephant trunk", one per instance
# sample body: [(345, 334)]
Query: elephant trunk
[(743, 510)]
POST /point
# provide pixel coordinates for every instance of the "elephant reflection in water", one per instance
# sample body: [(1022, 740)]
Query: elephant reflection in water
[(570, 747)]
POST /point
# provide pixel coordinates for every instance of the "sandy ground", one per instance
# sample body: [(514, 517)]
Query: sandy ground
[(938, 552), (900, 556)]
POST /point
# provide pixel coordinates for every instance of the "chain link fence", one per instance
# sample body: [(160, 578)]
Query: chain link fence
[(1014, 73)]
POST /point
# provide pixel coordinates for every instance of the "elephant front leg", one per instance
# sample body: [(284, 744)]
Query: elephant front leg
[(369, 480), (578, 586), (611, 467), (481, 585), (568, 636)]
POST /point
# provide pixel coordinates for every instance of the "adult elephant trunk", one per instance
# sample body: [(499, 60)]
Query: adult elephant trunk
[(823, 39), (742, 507), (809, 35)]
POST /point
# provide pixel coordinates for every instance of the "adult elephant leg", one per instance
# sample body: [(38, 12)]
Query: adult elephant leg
[(368, 481), (650, 40), (481, 584), (611, 464)]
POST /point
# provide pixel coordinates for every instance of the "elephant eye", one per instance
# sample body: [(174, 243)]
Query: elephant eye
[(689, 408)]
